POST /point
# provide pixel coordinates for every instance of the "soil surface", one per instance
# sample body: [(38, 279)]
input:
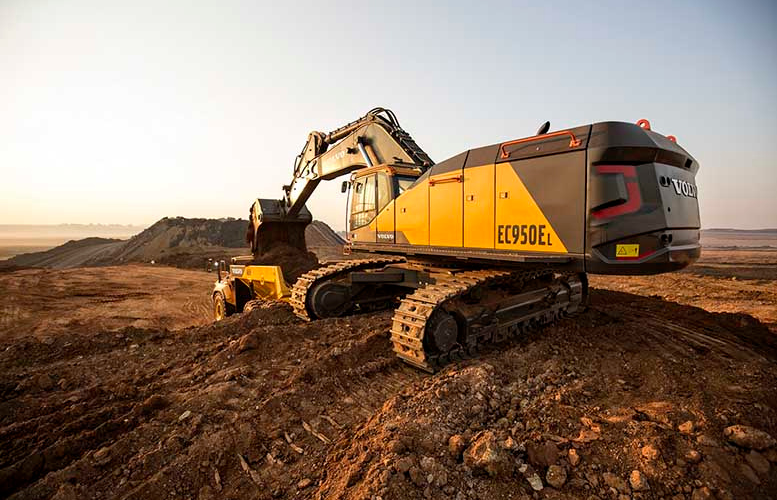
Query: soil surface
[(663, 388), (44, 303), (742, 281)]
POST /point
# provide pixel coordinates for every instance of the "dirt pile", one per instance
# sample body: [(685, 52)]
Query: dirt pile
[(175, 241), (178, 235), (633, 399), (319, 234), (605, 407), (293, 261), (74, 253)]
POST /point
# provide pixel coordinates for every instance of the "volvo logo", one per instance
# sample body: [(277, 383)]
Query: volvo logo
[(683, 188)]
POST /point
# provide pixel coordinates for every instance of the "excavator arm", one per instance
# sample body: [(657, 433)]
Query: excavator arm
[(374, 139)]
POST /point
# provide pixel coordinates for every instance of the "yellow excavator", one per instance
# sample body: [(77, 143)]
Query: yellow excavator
[(482, 246)]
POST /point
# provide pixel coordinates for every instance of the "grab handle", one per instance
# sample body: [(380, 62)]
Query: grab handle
[(573, 141), (455, 178)]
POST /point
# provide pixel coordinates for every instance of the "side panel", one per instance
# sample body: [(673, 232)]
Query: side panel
[(364, 234), (557, 184), (479, 206), (520, 223), (446, 207), (385, 223), (412, 214)]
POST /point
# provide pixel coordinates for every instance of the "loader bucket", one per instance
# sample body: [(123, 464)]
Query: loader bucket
[(269, 225)]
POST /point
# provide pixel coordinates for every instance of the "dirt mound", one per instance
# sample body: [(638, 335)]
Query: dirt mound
[(178, 232), (293, 261), (632, 397), (172, 240), (568, 420), (319, 234), (74, 253)]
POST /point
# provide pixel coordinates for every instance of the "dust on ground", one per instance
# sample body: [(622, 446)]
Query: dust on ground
[(638, 397)]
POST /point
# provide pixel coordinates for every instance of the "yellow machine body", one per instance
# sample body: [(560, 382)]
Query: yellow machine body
[(245, 283), (605, 198), (466, 209), (265, 281)]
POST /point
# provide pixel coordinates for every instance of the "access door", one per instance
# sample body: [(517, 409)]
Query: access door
[(446, 195), (386, 222), (364, 209)]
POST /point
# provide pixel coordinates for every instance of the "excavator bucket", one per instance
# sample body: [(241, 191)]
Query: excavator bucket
[(270, 225)]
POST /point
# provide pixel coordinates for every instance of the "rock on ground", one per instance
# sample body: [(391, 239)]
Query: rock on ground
[(556, 476), (485, 454), (543, 454), (638, 481), (615, 481), (749, 437)]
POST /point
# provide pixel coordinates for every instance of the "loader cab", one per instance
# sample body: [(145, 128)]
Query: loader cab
[(371, 204)]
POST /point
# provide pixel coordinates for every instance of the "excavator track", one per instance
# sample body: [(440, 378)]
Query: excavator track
[(415, 311), (304, 283)]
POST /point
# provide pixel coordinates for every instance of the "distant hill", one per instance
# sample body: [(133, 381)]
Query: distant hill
[(67, 231), (744, 231), (739, 238), (74, 253), (16, 239), (174, 241)]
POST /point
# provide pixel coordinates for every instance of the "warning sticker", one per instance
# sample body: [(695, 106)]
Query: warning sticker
[(622, 251)]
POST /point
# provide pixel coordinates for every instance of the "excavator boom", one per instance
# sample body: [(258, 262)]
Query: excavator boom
[(376, 138)]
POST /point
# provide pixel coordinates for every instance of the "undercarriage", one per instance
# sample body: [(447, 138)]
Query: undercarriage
[(441, 314)]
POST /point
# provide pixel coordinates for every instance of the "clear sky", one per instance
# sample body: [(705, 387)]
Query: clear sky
[(125, 112)]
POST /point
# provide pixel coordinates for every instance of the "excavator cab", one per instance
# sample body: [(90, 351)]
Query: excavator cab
[(372, 208)]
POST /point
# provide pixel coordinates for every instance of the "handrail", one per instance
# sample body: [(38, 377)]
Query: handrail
[(455, 178), (573, 141)]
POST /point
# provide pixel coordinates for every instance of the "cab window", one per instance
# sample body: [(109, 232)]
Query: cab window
[(403, 183), (363, 207), (384, 191)]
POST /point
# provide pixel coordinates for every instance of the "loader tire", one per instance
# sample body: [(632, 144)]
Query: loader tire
[(251, 305), (220, 307)]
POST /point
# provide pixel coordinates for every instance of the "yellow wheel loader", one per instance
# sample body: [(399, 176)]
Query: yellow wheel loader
[(484, 245)]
